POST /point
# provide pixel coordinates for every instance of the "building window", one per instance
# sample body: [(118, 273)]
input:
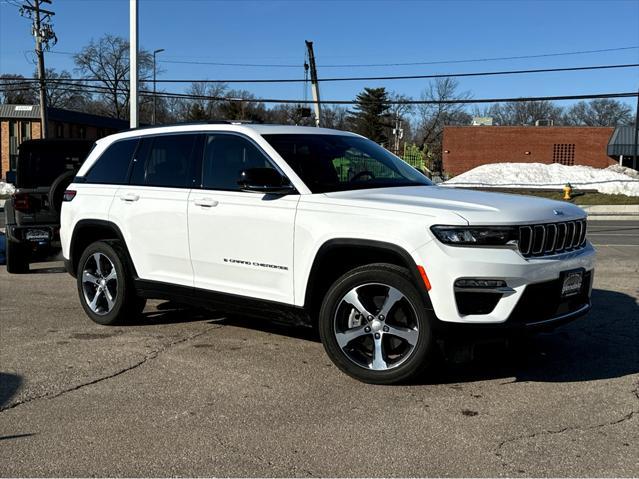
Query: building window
[(25, 130), (19, 131), (564, 153), (59, 130)]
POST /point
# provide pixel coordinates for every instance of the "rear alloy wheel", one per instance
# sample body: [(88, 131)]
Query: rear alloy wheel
[(100, 283), (104, 285), (374, 325)]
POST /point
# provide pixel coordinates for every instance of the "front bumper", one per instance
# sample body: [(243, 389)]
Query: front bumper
[(531, 300)]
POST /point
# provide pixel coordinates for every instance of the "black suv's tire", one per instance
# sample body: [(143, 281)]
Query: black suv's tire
[(392, 344), (105, 285), (17, 258), (58, 187)]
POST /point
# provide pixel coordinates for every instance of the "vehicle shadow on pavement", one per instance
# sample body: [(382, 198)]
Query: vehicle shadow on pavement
[(46, 269), (601, 345), (280, 328), (9, 386), (170, 312)]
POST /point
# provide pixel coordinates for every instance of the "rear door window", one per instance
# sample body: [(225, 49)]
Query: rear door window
[(165, 160), (113, 165)]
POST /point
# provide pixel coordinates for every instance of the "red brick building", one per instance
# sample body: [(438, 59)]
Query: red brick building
[(465, 147)]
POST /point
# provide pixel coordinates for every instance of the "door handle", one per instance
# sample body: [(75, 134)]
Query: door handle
[(206, 202), (130, 197)]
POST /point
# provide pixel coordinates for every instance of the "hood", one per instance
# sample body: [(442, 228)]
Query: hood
[(476, 207)]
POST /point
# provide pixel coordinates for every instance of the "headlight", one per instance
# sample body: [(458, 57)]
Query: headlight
[(476, 235)]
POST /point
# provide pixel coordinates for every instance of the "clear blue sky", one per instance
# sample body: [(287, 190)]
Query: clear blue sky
[(351, 32)]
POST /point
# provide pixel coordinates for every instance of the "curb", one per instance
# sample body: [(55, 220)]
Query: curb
[(612, 212)]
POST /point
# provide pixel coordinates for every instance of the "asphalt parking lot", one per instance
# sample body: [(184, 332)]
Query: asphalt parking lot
[(186, 392)]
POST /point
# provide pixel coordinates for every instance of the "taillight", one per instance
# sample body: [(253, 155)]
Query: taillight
[(21, 202), (69, 195)]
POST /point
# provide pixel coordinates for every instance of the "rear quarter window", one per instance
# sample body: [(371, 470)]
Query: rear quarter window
[(113, 165)]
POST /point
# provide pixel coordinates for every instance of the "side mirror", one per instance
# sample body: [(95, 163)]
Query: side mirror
[(264, 180)]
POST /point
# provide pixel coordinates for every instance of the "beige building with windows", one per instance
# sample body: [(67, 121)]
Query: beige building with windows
[(22, 122)]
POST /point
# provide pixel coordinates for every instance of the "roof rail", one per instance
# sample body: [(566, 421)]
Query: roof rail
[(202, 122)]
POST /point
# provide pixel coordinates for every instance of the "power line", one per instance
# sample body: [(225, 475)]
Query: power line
[(444, 62), (369, 65), (377, 78), (419, 63), (404, 102), (101, 89)]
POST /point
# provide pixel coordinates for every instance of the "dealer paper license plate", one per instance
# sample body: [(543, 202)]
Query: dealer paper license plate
[(37, 235), (572, 283)]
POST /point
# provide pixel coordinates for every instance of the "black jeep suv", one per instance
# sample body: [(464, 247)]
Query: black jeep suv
[(32, 216)]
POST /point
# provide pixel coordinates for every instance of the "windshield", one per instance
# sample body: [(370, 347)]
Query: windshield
[(338, 162)]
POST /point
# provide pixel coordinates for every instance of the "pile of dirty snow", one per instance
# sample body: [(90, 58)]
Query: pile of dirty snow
[(625, 170), (6, 189), (613, 180)]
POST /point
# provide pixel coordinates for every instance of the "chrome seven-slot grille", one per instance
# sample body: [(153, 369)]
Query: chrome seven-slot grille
[(552, 238)]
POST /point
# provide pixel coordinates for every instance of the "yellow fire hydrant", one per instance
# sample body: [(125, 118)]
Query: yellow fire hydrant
[(567, 191)]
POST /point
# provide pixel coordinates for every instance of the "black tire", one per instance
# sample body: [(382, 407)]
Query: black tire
[(58, 187), (410, 308), (17, 257), (125, 306)]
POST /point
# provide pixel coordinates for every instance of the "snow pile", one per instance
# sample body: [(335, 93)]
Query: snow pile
[(6, 189), (539, 175), (625, 170)]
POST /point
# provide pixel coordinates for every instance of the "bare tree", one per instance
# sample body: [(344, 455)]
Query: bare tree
[(291, 114), (206, 104), (335, 117), (400, 110), (238, 108), (107, 60), (433, 117), (15, 90), (64, 92), (525, 112), (599, 112)]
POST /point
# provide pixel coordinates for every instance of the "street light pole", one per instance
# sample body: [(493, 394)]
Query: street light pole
[(155, 52), (133, 64)]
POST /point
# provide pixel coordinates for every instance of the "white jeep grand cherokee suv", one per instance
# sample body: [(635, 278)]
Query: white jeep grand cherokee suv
[(317, 226)]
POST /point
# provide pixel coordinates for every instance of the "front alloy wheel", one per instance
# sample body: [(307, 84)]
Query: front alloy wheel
[(374, 324)]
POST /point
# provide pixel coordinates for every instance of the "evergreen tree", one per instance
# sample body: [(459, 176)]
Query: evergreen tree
[(370, 116)]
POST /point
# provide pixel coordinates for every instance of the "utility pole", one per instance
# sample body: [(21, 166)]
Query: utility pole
[(635, 160), (133, 64), (43, 33), (398, 133), (155, 52), (314, 83)]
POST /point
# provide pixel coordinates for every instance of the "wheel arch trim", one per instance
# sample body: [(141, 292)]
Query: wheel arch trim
[(74, 255), (336, 243)]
